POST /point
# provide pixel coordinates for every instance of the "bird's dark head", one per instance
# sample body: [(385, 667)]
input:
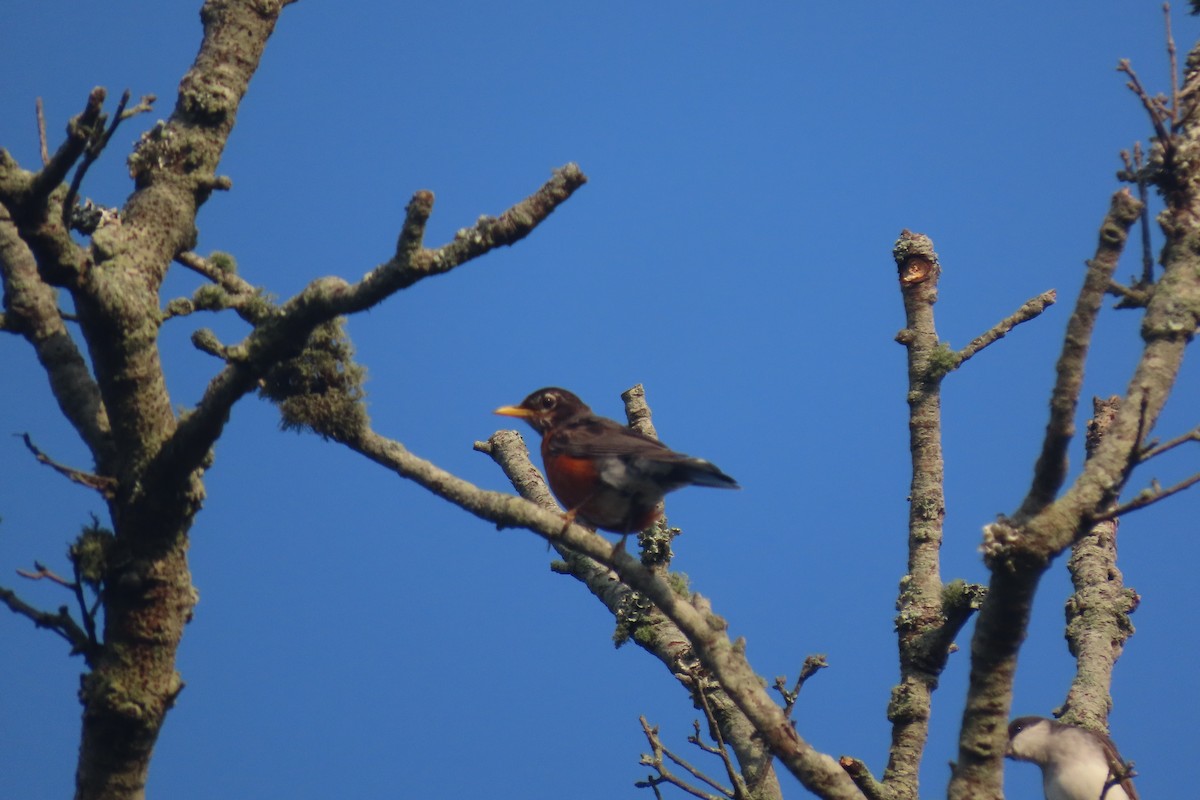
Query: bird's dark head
[(546, 408), (1027, 738)]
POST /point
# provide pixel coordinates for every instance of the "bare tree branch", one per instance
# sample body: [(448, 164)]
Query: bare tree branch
[(694, 617), (33, 312), (1149, 496), (735, 780), (811, 666), (40, 572), (227, 279), (1018, 550), (637, 411), (97, 141), (1131, 296), (1051, 468), (864, 780), (655, 759), (1158, 449), (41, 126), (60, 622), (1135, 172), (283, 334), (79, 132), (1173, 61), (1030, 309), (925, 625), (1158, 115), (1098, 611), (106, 486), (656, 634)]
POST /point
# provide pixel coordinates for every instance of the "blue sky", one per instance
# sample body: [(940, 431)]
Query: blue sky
[(750, 169)]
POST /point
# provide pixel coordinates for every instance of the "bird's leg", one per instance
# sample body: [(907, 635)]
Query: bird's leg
[(619, 547), (569, 519)]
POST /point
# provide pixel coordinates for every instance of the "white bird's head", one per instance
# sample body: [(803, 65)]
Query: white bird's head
[(1077, 763)]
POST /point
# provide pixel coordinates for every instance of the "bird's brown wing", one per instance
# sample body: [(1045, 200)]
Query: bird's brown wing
[(596, 437), (1115, 763), (592, 436)]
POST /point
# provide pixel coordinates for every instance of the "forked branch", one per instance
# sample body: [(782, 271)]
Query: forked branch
[(283, 334)]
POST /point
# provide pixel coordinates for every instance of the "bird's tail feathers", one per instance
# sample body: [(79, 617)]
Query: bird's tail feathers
[(705, 473)]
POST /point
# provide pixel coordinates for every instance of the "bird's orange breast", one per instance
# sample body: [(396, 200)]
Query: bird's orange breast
[(573, 480), (577, 484)]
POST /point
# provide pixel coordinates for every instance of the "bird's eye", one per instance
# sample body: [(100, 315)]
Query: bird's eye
[(549, 401)]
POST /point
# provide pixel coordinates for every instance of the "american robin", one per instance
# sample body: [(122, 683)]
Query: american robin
[(606, 474)]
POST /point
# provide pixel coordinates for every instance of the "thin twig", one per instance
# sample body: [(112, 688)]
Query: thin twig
[(665, 775), (1030, 309), (88, 615), (1174, 68), (79, 133), (696, 773), (1157, 450), (61, 622), (41, 124), (96, 144), (101, 483), (1148, 496), (696, 740), (1157, 115), (735, 779), (811, 666), (40, 572), (1135, 173), (1144, 198)]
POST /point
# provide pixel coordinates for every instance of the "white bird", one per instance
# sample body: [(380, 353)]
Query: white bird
[(1077, 764)]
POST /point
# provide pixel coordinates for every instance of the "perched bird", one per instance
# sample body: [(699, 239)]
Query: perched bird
[(606, 474), (1077, 764)]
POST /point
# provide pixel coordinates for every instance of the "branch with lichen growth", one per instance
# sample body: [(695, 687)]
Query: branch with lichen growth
[(1098, 611), (1051, 468), (919, 602), (692, 615), (32, 312), (81, 131), (227, 290), (637, 618), (930, 615), (125, 413), (1018, 550), (1030, 309), (98, 139), (283, 335)]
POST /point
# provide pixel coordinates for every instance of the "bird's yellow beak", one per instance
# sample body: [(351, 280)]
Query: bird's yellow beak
[(513, 411)]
